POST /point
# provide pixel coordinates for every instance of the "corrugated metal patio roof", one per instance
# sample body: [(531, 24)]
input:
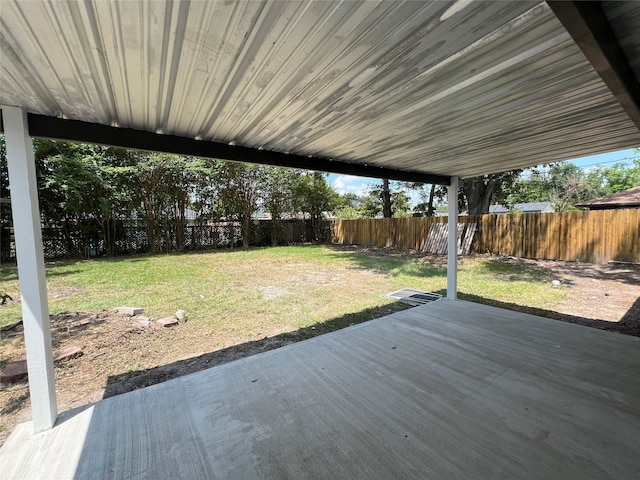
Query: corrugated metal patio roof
[(446, 88), (425, 91)]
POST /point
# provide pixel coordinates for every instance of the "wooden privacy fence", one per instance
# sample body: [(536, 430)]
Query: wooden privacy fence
[(595, 236)]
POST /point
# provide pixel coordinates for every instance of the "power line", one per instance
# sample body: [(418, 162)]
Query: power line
[(624, 160)]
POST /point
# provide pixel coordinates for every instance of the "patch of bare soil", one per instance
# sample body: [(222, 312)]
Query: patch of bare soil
[(56, 292), (601, 296), (121, 354)]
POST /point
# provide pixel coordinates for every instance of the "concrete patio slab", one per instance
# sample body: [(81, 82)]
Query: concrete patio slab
[(446, 390)]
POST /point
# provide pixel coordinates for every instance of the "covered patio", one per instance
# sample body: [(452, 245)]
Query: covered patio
[(451, 389), (430, 92)]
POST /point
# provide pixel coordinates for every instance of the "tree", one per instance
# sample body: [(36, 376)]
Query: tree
[(401, 204), (91, 185), (532, 186), (557, 182), (313, 195), (385, 194), (427, 206), (203, 197), (480, 192), (185, 176), (386, 200), (82, 185), (622, 176), (348, 206), (152, 175), (566, 184), (162, 187), (349, 199), (239, 191), (277, 190)]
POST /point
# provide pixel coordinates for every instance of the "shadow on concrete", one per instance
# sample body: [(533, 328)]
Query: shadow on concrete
[(632, 317), (129, 381)]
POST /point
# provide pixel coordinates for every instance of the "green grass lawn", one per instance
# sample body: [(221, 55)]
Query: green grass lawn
[(257, 292)]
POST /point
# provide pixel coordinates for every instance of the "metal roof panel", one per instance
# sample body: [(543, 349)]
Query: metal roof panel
[(450, 88)]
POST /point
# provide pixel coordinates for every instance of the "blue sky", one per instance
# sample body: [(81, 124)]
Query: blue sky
[(358, 185)]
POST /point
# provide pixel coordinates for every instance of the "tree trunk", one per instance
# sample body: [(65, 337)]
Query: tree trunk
[(386, 199), (432, 194), (246, 227), (168, 238), (479, 192), (108, 230), (151, 232), (181, 223), (276, 227), (71, 249)]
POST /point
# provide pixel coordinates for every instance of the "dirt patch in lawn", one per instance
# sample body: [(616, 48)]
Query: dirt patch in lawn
[(601, 296), (122, 354), (55, 293)]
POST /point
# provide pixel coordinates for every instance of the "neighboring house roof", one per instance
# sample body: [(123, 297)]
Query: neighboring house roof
[(292, 216), (534, 207), (261, 216), (190, 214), (626, 199)]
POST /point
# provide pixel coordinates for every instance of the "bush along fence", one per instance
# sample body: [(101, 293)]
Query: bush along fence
[(597, 236), (86, 241)]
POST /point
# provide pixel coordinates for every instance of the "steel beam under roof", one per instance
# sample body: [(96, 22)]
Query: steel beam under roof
[(78, 131), (587, 24)]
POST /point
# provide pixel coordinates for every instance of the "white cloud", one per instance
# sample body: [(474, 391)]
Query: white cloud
[(350, 184), (359, 185)]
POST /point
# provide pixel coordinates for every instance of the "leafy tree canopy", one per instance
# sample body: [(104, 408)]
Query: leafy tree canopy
[(566, 184)]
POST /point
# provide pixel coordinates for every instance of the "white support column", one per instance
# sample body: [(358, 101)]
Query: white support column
[(33, 287), (452, 249)]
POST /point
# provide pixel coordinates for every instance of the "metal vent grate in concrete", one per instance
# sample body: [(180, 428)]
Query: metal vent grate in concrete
[(414, 297)]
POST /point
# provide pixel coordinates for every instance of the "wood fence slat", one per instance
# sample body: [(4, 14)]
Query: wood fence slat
[(607, 233), (468, 238)]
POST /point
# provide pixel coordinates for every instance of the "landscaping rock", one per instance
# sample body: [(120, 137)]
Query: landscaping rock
[(131, 311), (181, 315), (68, 353), (14, 371), (167, 322), (142, 322)]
